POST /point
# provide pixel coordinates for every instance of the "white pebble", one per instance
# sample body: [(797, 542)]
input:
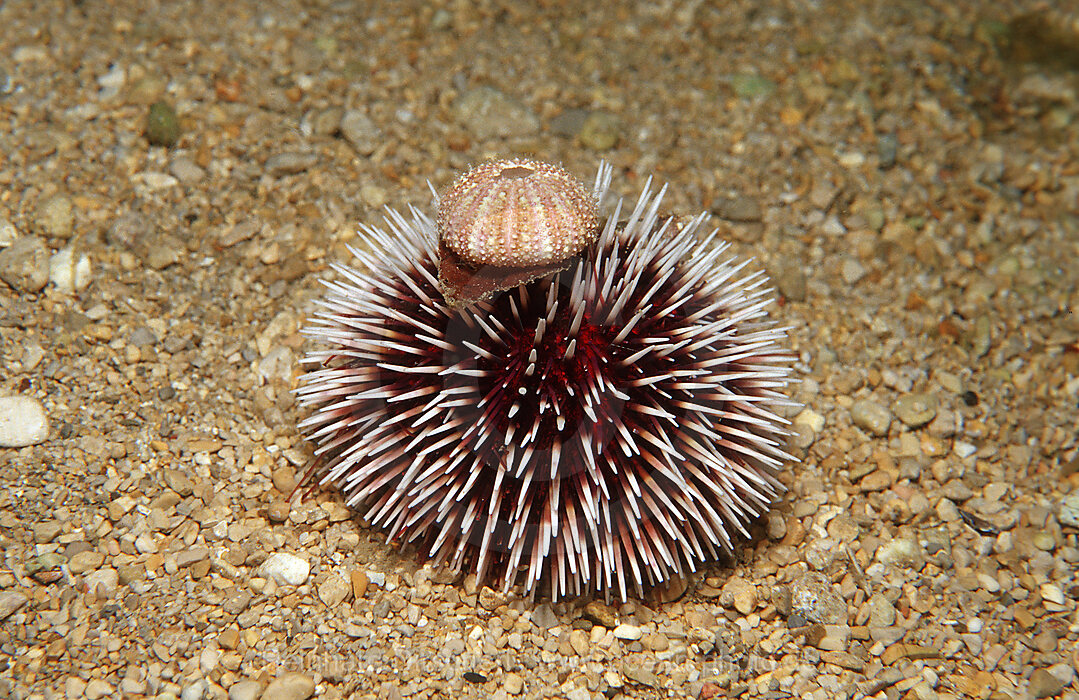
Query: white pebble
[(811, 419), (628, 632), (974, 625), (8, 233), (22, 422), (286, 568), (963, 449), (68, 272)]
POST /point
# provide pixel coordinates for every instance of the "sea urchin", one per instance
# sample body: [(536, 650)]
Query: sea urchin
[(603, 429)]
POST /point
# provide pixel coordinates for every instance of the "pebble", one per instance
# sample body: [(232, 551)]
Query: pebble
[(96, 689), (285, 568), (513, 684), (56, 216), (740, 594), (186, 170), (743, 209), (24, 265), (887, 150), (290, 163), (22, 422), (10, 601), (543, 616), (852, 271), (601, 614), (1044, 684), (359, 582), (871, 417), (489, 113), (358, 129), (790, 279), (815, 599), (627, 632), (47, 530), (85, 561), (245, 690), (8, 233), (901, 552), (291, 686), (881, 611), (69, 272), (104, 581), (915, 410), (1069, 510), (600, 131), (162, 125)]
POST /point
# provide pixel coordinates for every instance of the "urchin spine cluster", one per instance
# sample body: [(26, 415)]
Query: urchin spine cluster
[(605, 429)]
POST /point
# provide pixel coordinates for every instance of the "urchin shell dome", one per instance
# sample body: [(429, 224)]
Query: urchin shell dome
[(601, 430)]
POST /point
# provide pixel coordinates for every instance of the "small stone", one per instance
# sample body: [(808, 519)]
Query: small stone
[(871, 417), (543, 616), (578, 640), (851, 271), (881, 611), (278, 511), (47, 530), (24, 265), (285, 568), (887, 150), (284, 480), (69, 272), (10, 601), (162, 125), (915, 410), (901, 552), (289, 163), (85, 561), (627, 632), (601, 614), (333, 591), (743, 209), (1052, 593), (1069, 510), (600, 131), (876, 480), (97, 688), (741, 594), (291, 686), (1044, 684), (751, 85), (164, 253), (513, 684), (186, 170), (360, 131), (103, 581), (359, 583), (8, 233), (245, 690), (23, 422), (57, 216), (815, 598), (489, 113)]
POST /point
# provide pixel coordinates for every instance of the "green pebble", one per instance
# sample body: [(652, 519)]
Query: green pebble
[(162, 125), (748, 86)]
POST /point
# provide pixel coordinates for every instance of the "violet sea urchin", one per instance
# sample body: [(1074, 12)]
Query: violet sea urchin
[(601, 429)]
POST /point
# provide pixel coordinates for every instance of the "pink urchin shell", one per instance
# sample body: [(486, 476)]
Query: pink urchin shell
[(517, 212)]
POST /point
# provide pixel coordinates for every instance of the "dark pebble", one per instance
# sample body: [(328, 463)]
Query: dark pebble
[(162, 125)]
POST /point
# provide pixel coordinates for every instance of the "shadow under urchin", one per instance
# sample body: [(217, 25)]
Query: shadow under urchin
[(601, 430)]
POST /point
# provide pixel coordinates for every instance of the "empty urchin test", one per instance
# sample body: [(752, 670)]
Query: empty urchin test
[(545, 396)]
